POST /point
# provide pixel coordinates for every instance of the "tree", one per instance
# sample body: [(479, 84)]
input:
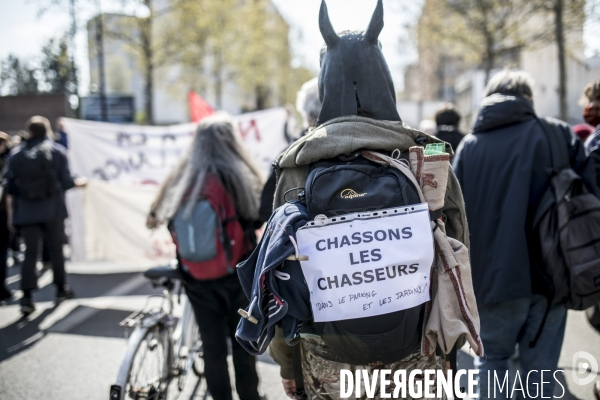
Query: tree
[(483, 29), (58, 70), (209, 29), (18, 77), (68, 39), (558, 8), (135, 28), (53, 72), (240, 41), (486, 32), (136, 31), (560, 23), (140, 28), (563, 26), (567, 16)]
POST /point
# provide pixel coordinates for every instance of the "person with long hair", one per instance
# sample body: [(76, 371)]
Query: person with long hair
[(216, 151)]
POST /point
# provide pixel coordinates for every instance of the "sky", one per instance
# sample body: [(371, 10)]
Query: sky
[(24, 31), (349, 15)]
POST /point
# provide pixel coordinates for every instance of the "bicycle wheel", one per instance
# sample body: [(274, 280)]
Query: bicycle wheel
[(149, 374), (192, 343), (197, 352)]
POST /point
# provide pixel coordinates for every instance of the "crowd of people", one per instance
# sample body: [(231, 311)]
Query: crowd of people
[(35, 176), (502, 169), (215, 197)]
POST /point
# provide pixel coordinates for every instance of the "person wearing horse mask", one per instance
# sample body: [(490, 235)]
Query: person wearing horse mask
[(358, 113)]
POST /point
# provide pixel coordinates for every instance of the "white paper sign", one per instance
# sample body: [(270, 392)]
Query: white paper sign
[(366, 264)]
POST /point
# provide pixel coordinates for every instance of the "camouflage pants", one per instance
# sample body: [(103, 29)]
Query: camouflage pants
[(322, 377)]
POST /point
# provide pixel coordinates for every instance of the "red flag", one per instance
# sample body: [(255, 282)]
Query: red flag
[(198, 107)]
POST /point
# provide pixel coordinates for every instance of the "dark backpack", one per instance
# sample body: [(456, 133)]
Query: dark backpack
[(211, 241), (354, 184), (35, 177), (567, 223)]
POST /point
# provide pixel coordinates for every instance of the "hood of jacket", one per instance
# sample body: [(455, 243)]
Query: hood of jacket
[(500, 110), (347, 134)]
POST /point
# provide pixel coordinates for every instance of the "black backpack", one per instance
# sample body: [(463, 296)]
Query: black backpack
[(32, 168), (349, 184), (567, 224)]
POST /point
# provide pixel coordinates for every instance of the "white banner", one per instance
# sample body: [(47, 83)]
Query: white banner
[(146, 154), (125, 165), (366, 264), (114, 216)]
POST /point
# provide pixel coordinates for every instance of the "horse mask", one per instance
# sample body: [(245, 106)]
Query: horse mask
[(354, 75)]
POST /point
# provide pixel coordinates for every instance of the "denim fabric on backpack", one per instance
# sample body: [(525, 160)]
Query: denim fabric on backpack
[(275, 287)]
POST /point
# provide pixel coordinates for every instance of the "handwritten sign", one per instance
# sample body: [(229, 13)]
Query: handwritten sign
[(135, 154), (366, 264)]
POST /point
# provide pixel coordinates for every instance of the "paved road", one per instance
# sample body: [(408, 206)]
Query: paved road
[(72, 352)]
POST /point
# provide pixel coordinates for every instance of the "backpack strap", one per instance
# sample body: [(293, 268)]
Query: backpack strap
[(226, 239), (300, 393), (558, 145), (392, 162), (398, 164), (560, 160)]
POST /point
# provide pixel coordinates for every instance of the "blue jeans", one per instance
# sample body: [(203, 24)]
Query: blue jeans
[(506, 324)]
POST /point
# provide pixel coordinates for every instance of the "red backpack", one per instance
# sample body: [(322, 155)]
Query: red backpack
[(211, 241)]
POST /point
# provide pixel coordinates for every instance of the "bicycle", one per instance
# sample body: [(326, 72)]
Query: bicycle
[(161, 347)]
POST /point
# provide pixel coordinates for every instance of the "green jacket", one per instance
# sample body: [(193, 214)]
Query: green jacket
[(345, 135)]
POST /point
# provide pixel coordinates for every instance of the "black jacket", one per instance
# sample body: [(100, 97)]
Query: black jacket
[(34, 211), (503, 171)]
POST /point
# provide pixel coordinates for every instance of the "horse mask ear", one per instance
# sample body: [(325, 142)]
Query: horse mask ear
[(376, 24), (331, 38), (355, 78)]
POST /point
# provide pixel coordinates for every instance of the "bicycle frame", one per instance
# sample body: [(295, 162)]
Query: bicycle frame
[(177, 334)]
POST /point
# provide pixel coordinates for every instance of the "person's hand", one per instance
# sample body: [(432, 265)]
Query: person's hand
[(289, 385), (289, 109), (151, 221), (80, 182), (260, 232)]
